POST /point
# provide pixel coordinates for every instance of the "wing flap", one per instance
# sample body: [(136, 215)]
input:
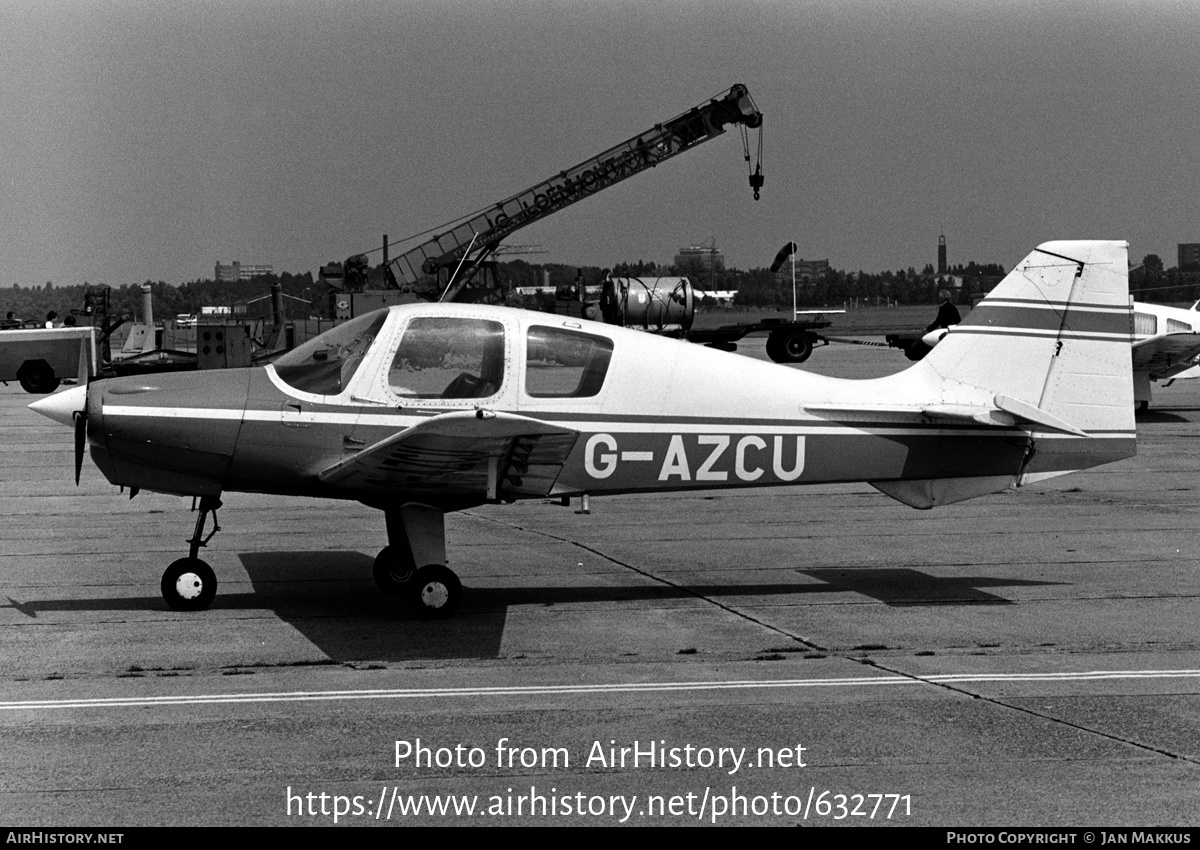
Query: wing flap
[(463, 454)]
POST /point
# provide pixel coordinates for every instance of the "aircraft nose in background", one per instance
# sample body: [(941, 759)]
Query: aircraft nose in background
[(61, 407)]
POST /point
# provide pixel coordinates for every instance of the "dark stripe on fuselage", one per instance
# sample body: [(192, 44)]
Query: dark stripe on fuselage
[(1066, 333), (1072, 320), (616, 462), (1055, 305)]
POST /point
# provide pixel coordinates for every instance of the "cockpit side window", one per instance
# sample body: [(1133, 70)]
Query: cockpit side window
[(326, 364), (561, 363), (447, 358)]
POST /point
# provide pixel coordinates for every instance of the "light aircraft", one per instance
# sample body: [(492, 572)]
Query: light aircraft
[(1166, 347), (423, 409)]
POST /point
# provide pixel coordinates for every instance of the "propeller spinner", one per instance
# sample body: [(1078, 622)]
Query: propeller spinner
[(69, 408)]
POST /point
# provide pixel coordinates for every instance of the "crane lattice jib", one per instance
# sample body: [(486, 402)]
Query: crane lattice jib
[(486, 229)]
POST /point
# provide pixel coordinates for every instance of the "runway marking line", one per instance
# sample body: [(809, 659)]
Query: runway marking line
[(612, 688)]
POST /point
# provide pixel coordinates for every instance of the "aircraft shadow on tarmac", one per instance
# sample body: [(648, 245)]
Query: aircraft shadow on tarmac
[(906, 587), (1164, 415), (330, 599)]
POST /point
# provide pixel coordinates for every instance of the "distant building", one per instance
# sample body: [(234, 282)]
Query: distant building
[(706, 257), (949, 281), (236, 271), (1189, 253), (724, 297), (807, 271)]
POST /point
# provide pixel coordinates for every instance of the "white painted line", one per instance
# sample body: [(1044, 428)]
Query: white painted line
[(612, 688)]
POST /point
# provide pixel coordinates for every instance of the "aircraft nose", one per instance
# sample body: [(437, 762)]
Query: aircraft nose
[(61, 407)]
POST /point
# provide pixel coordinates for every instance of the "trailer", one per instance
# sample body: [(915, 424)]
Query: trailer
[(667, 306), (40, 358), (787, 341)]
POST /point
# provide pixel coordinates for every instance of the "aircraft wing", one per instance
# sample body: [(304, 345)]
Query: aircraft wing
[(1166, 354), (462, 454)]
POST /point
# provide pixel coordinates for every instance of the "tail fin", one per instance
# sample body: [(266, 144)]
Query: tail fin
[(1054, 334), (1049, 349)]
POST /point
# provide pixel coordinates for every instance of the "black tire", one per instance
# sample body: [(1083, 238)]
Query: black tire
[(37, 377), (189, 584), (435, 591), (393, 576), (789, 347)]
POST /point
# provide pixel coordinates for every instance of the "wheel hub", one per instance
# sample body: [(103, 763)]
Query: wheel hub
[(435, 594), (189, 586)]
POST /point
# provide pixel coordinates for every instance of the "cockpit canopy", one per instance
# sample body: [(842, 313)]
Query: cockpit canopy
[(451, 356)]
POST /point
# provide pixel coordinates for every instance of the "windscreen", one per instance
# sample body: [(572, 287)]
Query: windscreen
[(326, 364)]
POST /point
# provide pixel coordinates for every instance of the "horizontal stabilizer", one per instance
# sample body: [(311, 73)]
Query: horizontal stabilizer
[(1007, 412), (1028, 413)]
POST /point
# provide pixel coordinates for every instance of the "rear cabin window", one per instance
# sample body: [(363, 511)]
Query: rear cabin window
[(1174, 326), (560, 363), (448, 358), (325, 364)]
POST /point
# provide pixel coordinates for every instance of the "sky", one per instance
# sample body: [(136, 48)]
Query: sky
[(149, 140)]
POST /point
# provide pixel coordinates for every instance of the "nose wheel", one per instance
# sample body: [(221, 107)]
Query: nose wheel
[(189, 584)]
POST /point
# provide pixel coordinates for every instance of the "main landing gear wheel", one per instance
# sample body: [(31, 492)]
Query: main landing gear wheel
[(789, 347), (435, 591), (393, 575), (189, 584)]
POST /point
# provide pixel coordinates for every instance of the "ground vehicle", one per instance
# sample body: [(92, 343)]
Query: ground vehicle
[(787, 342), (41, 357), (667, 306)]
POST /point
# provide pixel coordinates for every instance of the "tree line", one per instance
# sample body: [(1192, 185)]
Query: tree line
[(759, 288), (33, 303)]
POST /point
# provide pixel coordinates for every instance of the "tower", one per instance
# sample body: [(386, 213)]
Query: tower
[(942, 254)]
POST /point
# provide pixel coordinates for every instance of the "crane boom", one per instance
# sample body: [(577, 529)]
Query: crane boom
[(482, 232)]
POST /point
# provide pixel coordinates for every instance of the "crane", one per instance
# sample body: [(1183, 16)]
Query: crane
[(440, 267)]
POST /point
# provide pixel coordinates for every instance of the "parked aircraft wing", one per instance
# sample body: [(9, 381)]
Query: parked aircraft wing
[(1166, 354), (459, 454)]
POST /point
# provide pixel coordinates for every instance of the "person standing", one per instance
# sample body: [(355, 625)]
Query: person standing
[(947, 314)]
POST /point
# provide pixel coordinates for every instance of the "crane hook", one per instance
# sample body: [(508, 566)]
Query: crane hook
[(756, 180)]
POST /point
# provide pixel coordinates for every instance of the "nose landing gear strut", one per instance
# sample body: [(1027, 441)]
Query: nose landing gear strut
[(190, 584)]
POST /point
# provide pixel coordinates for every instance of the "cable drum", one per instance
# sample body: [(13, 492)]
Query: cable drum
[(654, 303)]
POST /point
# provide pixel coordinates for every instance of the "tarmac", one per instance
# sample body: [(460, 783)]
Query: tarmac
[(811, 656)]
